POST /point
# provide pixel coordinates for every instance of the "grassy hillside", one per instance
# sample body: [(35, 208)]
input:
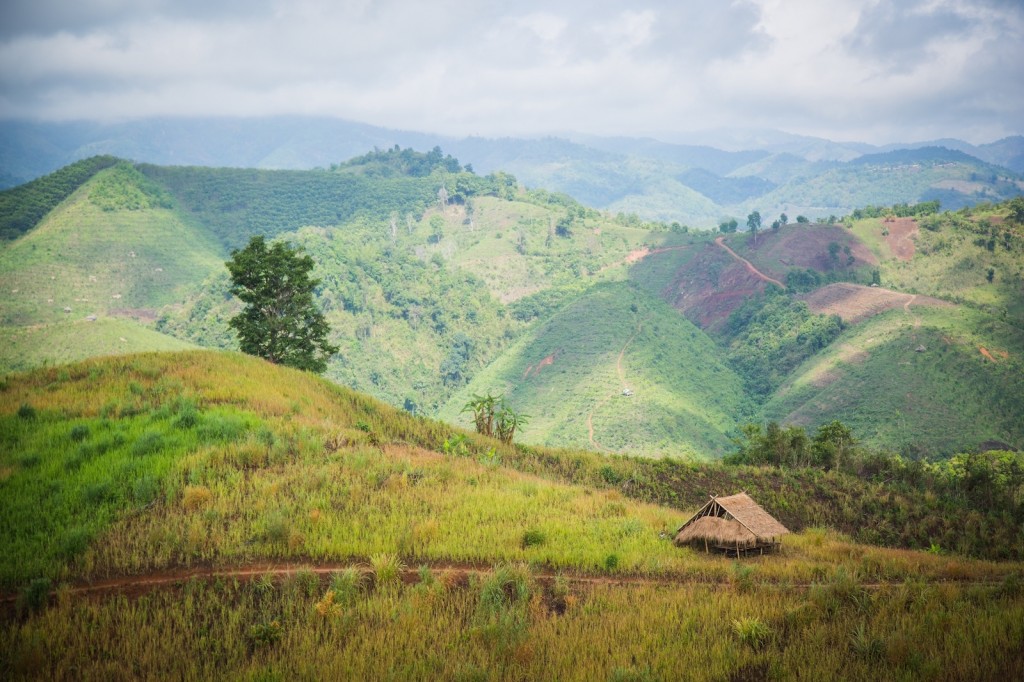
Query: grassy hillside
[(949, 256), (345, 538), (22, 207), (425, 297), (235, 204), (113, 245), (22, 348), (570, 371), (963, 388)]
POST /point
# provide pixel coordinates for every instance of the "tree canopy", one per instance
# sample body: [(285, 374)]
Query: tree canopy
[(280, 322)]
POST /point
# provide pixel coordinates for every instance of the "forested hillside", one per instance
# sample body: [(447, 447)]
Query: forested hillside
[(608, 331)]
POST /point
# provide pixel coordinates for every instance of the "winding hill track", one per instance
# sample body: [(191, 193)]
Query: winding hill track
[(450, 573), (750, 266), (622, 380)]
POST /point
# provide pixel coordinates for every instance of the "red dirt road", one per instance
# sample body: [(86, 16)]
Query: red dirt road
[(750, 266), (450, 573)]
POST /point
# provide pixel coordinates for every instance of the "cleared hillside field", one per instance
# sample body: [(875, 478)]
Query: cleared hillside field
[(856, 302), (22, 348)]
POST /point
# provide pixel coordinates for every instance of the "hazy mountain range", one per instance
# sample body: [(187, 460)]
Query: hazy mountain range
[(698, 180)]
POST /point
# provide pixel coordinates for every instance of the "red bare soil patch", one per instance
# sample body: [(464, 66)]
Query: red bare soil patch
[(711, 286), (747, 264), (798, 246), (549, 360), (986, 354), (637, 255), (855, 302), (901, 237)]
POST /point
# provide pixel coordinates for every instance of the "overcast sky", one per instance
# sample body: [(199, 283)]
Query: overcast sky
[(881, 71)]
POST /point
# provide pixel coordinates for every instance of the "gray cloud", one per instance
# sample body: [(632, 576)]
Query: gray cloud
[(902, 35), (845, 69)]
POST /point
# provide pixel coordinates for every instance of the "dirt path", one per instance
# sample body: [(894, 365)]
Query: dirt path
[(906, 309), (452, 573), (622, 380), (750, 266)]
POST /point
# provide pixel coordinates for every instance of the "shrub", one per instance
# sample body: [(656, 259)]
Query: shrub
[(277, 529), (265, 634), (147, 444), (387, 570), (196, 496), (347, 584), (187, 418), (865, 645), (79, 433), (303, 582), (327, 607), (752, 631), (609, 475), (611, 562), (506, 587), (26, 411), (742, 577), (35, 595), (533, 537), (75, 541)]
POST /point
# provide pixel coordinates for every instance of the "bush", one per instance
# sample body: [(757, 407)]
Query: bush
[(347, 584), (533, 537), (196, 496), (265, 634), (865, 645), (387, 570), (148, 444), (26, 411), (35, 595), (753, 632), (79, 433), (506, 587)]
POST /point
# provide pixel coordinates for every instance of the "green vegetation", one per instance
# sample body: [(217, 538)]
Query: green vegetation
[(433, 292), (124, 466), (24, 348), (91, 261), (770, 334), (237, 204), (952, 255), (279, 322), (23, 207), (683, 400), (944, 398)]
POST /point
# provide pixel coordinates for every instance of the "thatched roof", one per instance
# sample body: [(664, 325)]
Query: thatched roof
[(717, 531), (731, 520)]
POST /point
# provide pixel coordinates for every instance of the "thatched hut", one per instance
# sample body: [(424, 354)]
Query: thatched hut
[(732, 524)]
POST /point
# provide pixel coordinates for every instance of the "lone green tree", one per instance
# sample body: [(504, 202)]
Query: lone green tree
[(280, 322), (754, 223)]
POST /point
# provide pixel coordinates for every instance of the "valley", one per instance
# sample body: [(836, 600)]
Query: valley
[(529, 294)]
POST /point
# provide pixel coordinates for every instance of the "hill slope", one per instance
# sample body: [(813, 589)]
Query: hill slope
[(571, 371), (212, 515)]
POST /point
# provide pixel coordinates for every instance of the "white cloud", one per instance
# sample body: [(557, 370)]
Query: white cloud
[(847, 69)]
